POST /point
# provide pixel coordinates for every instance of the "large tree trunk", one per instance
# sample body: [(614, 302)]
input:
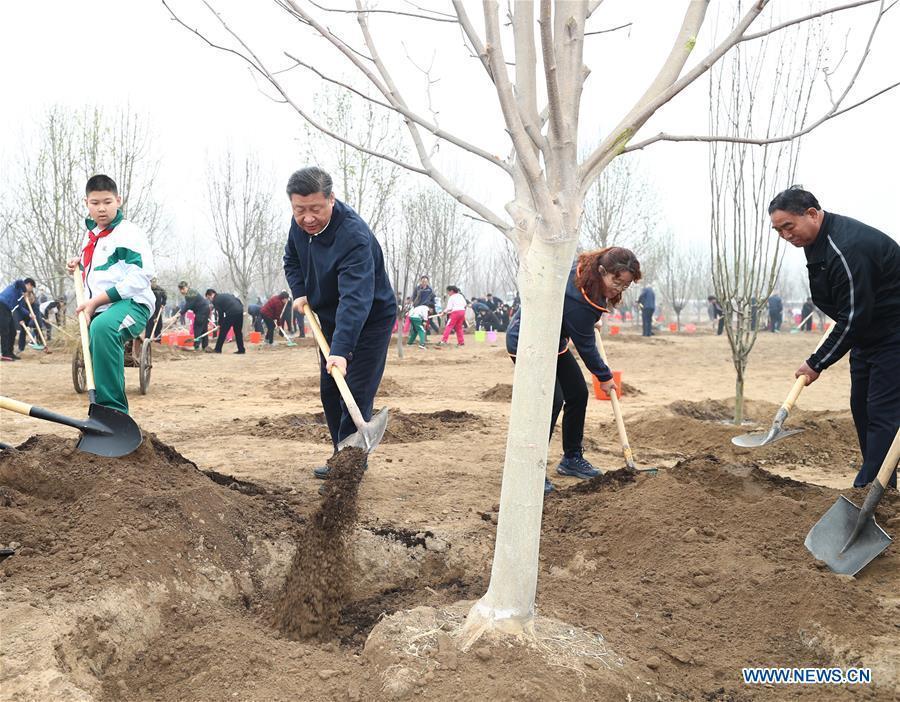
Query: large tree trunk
[(509, 603)]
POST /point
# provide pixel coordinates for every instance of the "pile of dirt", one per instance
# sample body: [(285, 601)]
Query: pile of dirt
[(308, 426), (391, 388), (501, 392), (405, 427), (828, 441), (714, 410), (701, 570), (319, 581), (630, 390)]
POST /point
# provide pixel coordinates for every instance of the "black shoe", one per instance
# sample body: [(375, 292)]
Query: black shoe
[(240, 352), (322, 472), (577, 466)]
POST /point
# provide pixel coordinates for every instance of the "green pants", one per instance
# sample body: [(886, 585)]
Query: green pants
[(416, 326), (123, 320)]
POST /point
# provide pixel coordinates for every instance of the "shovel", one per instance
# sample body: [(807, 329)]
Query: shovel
[(799, 327), (368, 434), (777, 431), (848, 538), (37, 326), (620, 423), (32, 342)]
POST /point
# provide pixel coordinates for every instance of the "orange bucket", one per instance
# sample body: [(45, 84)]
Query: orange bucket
[(613, 330), (673, 327), (598, 391), (185, 340), (255, 337)]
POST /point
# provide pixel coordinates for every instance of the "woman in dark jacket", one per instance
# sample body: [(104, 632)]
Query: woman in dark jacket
[(596, 282)]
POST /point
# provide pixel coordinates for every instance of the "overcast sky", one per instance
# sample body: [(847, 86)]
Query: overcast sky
[(200, 101)]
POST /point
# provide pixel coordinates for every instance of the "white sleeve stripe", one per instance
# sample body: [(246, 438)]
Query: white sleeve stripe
[(852, 302)]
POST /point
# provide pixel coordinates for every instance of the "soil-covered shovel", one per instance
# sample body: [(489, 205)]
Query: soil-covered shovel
[(848, 538), (620, 422), (777, 431), (368, 434)]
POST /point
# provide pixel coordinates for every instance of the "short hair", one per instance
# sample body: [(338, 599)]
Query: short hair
[(795, 200), (210, 291), (452, 289), (308, 181), (183, 284), (283, 295), (424, 277), (29, 281), (100, 183)]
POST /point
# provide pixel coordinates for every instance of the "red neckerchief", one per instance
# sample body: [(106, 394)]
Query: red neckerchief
[(87, 254)]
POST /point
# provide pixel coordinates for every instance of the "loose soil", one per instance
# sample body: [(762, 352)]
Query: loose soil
[(158, 576)]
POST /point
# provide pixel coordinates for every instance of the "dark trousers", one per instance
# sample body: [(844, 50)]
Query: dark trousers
[(647, 320), (300, 324), (875, 403), (570, 394), (721, 326), (7, 330), (364, 373), (200, 327), (225, 326), (775, 321), (270, 330)]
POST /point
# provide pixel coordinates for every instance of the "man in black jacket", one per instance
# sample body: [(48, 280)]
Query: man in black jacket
[(333, 262), (200, 306), (230, 312), (425, 296), (854, 277)]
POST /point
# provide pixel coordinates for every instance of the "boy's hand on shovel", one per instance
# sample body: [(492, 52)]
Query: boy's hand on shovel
[(810, 374)]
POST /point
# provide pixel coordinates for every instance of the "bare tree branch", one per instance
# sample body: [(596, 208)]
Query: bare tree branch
[(814, 15), (384, 12), (607, 31)]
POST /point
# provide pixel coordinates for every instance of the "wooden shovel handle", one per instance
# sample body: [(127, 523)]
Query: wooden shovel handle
[(36, 325), (83, 328), (12, 405), (801, 382), (28, 332), (617, 411), (338, 376), (890, 462)]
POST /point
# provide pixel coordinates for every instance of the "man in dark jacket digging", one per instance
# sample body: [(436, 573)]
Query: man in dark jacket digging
[(854, 278), (230, 312), (333, 262)]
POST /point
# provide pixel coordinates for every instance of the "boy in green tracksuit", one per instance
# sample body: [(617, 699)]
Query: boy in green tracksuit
[(116, 265)]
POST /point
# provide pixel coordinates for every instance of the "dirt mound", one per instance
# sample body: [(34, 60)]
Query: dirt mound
[(501, 392), (391, 388), (629, 389), (828, 441), (705, 409), (701, 570), (318, 583), (418, 426), (402, 427), (309, 426)]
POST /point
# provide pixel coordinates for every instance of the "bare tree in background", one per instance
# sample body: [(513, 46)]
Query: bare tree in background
[(44, 196), (620, 209), (363, 180), (549, 183), (243, 216), (680, 273), (746, 257)]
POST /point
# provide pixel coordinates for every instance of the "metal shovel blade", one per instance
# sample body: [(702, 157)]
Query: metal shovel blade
[(759, 439), (828, 536), (369, 435), (108, 432)]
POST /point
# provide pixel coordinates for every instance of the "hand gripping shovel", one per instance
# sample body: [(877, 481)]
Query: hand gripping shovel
[(368, 434), (31, 340), (848, 538), (620, 423), (777, 430)]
